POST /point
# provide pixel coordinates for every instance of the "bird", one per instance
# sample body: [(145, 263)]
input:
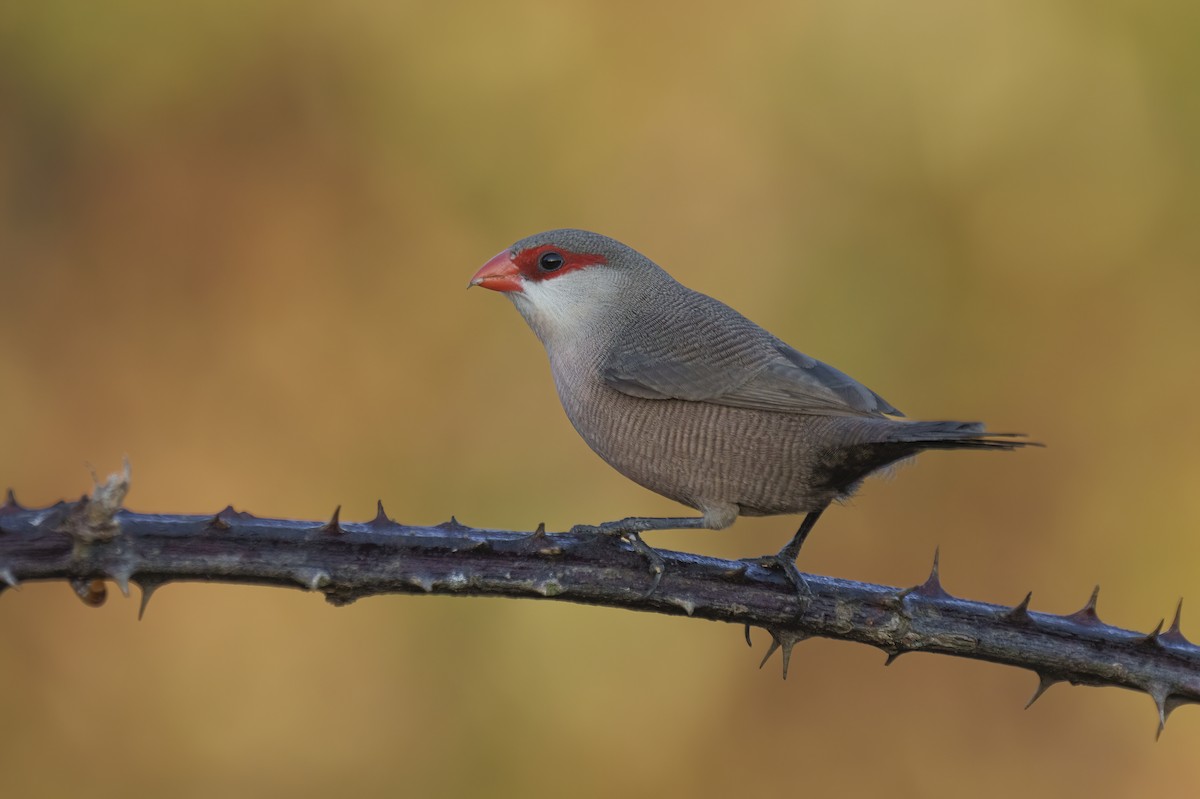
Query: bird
[(687, 397)]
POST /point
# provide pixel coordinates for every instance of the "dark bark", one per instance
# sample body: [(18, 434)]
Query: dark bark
[(93, 540)]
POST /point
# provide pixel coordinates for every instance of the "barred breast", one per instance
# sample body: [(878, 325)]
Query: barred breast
[(705, 455)]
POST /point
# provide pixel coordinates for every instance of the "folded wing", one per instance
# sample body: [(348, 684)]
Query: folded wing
[(703, 351)]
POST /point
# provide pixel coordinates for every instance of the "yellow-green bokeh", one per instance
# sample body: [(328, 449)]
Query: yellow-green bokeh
[(234, 239)]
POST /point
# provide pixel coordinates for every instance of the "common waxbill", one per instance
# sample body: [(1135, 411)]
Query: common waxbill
[(685, 396)]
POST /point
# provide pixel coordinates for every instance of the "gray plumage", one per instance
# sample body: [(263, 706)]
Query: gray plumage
[(692, 400)]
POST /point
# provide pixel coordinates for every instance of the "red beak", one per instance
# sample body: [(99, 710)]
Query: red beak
[(499, 274)]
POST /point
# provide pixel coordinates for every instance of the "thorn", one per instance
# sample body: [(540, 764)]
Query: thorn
[(52, 518), (381, 519), (1151, 640), (122, 580), (148, 588), (1087, 614), (932, 587), (892, 655), (541, 541), (788, 643), (1020, 613), (749, 643), (1159, 695), (91, 590), (686, 605), (228, 514), (785, 641), (452, 524), (225, 518), (770, 651), (1045, 681), (10, 503), (333, 526), (1174, 635), (739, 569), (549, 588), (8, 578), (312, 579), (1168, 707)]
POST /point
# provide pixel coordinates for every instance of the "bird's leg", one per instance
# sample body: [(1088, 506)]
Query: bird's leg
[(631, 528), (785, 560), (792, 550), (640, 524)]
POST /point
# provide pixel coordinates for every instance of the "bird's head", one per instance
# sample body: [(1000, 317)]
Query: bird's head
[(565, 281)]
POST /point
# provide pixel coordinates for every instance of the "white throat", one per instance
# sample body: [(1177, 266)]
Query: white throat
[(567, 308)]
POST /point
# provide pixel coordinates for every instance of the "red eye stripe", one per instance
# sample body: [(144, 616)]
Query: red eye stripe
[(528, 261)]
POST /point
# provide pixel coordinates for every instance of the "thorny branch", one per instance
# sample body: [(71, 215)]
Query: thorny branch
[(94, 539)]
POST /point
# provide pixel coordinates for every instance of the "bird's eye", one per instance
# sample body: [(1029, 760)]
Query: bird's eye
[(550, 261)]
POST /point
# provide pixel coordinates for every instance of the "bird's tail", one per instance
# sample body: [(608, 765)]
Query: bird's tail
[(955, 435), (884, 442)]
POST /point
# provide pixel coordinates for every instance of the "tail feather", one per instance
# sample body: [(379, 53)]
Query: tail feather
[(891, 441), (957, 435)]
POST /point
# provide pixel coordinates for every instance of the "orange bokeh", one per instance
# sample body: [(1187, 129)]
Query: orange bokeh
[(234, 240)]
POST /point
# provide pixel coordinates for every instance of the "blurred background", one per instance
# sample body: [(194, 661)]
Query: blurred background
[(234, 241)]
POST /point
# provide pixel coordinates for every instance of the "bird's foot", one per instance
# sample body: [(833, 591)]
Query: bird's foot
[(655, 560), (622, 530), (785, 562)]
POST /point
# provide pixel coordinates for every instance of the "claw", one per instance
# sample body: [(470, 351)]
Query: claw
[(624, 531), (786, 565), (657, 564)]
